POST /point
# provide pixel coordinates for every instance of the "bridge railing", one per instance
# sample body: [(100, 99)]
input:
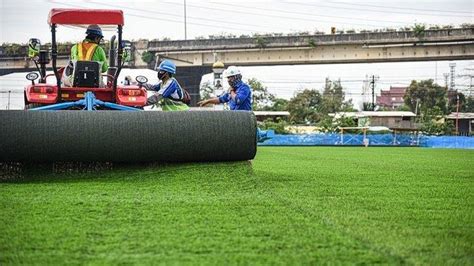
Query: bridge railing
[(459, 34)]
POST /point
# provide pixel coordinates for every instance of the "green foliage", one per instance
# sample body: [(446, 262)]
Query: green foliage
[(433, 123), (206, 90), (278, 126), (148, 57), (14, 49), (419, 30), (468, 105), (428, 95), (65, 48), (312, 43), (278, 104), (333, 98), (403, 107), (331, 124), (453, 103), (290, 206), (261, 98), (367, 106), (304, 107), (261, 42)]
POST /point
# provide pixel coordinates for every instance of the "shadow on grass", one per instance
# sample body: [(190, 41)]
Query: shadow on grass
[(99, 171)]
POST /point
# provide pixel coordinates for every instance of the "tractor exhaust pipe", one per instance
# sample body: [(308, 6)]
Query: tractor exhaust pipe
[(112, 62)]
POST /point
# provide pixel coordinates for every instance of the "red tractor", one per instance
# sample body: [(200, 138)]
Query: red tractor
[(89, 91)]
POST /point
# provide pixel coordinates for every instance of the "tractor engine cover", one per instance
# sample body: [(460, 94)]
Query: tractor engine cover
[(118, 136)]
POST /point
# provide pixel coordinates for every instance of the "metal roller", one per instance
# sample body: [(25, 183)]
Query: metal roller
[(115, 136)]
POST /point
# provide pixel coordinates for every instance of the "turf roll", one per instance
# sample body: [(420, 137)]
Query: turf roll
[(118, 136)]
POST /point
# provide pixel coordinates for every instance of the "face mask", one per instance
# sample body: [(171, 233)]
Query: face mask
[(161, 74), (234, 82)]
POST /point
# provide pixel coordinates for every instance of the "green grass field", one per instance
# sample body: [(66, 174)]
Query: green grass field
[(305, 205)]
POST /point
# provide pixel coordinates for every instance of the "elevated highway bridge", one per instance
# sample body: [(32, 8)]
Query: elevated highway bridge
[(195, 57)]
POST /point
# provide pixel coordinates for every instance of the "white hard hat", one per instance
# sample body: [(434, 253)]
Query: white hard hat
[(231, 71)]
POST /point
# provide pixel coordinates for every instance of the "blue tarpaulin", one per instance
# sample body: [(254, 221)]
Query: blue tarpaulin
[(404, 140)]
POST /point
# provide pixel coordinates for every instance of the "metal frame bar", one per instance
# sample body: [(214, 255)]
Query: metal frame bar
[(89, 103)]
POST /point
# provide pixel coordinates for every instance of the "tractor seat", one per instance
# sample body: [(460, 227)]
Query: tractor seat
[(87, 74)]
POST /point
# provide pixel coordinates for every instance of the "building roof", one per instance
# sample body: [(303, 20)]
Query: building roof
[(460, 116), (271, 113), (395, 90), (374, 114)]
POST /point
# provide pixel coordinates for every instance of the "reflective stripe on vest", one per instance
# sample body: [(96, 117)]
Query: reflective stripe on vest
[(89, 51)]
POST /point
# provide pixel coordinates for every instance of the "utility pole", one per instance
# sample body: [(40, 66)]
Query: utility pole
[(446, 76), (372, 83), (185, 31), (457, 113), (416, 107), (452, 71)]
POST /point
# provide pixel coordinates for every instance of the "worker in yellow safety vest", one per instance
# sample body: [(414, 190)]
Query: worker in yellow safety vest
[(89, 49)]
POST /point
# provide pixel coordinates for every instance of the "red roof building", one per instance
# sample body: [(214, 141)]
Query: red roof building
[(392, 98)]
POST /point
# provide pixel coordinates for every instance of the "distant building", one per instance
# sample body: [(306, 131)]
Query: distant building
[(395, 120), (392, 98), (273, 115), (465, 123)]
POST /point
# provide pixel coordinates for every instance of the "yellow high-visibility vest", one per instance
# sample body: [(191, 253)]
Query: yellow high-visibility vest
[(90, 49)]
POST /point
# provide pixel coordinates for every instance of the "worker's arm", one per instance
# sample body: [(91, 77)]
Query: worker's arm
[(154, 99), (151, 87), (99, 56), (214, 100), (74, 52)]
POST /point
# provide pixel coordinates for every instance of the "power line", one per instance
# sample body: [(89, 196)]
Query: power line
[(310, 14), (404, 8), (377, 11), (167, 20), (276, 16), (174, 16)]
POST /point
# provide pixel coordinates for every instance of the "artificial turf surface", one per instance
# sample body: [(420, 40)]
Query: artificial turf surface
[(304, 205)]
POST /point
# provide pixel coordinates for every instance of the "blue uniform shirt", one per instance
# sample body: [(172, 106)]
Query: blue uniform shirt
[(171, 89), (243, 99)]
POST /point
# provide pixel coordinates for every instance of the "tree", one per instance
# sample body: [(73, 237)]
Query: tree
[(333, 98), (206, 90), (304, 107), (148, 57), (279, 104), (469, 105), (427, 95), (458, 98), (433, 124), (419, 30), (279, 125), (260, 95)]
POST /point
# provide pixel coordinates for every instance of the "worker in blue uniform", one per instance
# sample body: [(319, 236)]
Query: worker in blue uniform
[(169, 94), (239, 96)]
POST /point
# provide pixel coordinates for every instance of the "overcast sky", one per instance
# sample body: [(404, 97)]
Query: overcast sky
[(23, 19)]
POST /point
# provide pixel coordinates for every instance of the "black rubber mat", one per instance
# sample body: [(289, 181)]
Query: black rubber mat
[(117, 136)]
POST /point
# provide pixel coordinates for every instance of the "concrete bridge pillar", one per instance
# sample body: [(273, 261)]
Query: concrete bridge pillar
[(190, 78)]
